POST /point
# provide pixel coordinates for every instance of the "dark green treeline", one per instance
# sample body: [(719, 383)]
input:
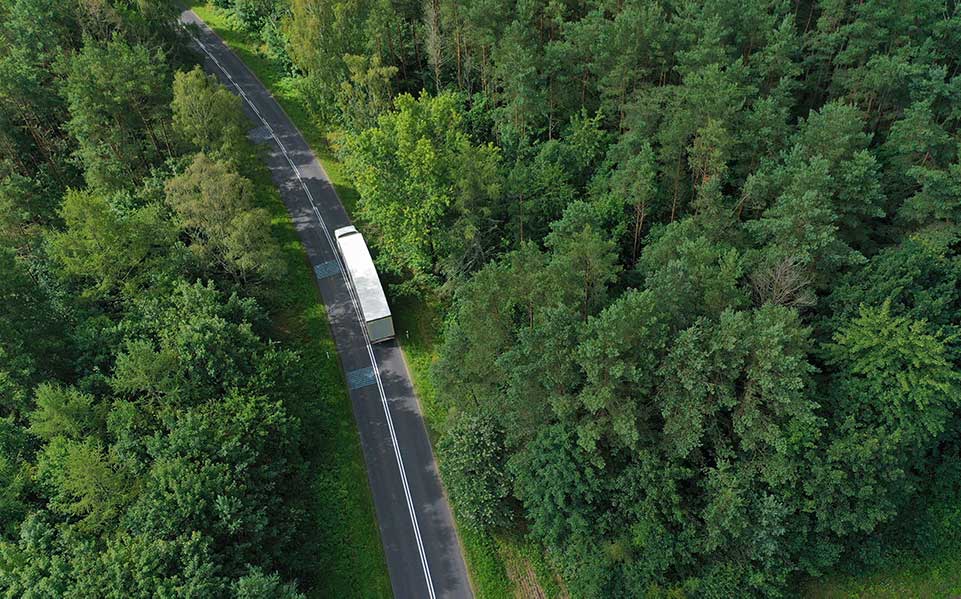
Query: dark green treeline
[(149, 442), (700, 259)]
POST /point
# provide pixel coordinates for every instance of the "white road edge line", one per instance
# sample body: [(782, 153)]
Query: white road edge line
[(357, 312)]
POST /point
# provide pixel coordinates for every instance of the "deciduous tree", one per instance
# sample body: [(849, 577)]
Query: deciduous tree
[(215, 208)]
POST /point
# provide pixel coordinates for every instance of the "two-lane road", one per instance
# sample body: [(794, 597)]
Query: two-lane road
[(416, 527)]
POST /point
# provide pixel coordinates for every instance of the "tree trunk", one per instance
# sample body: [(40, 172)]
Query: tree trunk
[(640, 211), (677, 177)]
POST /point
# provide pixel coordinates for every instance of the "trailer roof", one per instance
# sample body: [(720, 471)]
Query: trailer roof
[(370, 293)]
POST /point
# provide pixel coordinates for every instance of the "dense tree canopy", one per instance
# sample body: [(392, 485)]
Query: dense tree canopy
[(206, 115), (148, 445), (423, 184), (700, 262), (700, 259)]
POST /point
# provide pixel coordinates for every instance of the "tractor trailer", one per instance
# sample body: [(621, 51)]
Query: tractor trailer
[(366, 284)]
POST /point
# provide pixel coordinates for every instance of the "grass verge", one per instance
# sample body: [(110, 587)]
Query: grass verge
[(346, 551), (349, 559), (934, 577), (417, 325)]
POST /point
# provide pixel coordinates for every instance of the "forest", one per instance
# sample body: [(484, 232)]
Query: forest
[(698, 265), (698, 262), (152, 438)]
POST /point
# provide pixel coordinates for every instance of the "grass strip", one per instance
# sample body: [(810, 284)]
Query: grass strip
[(349, 556), (417, 322), (936, 576), (349, 559)]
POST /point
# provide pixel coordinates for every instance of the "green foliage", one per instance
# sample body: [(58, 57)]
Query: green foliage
[(215, 208), (65, 413), (508, 312), (119, 97), (348, 29), (30, 341), (690, 274), (129, 566), (258, 584), (828, 187), (252, 14), (553, 472), (15, 477), (82, 481), (366, 94), (35, 148), (633, 183), (472, 457), (895, 373), (619, 353), (206, 115), (735, 406), (422, 183), (919, 278), (110, 248), (196, 439)]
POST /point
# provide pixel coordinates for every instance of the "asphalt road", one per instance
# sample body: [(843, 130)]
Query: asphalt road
[(416, 528)]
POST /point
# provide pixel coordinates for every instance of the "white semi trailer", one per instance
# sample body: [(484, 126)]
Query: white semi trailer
[(367, 288)]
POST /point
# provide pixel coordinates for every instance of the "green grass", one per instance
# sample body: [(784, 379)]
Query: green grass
[(349, 559), (417, 324), (934, 577)]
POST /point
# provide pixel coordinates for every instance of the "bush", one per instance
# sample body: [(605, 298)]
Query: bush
[(472, 458), (252, 14)]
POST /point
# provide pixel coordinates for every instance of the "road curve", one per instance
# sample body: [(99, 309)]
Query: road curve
[(416, 528)]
